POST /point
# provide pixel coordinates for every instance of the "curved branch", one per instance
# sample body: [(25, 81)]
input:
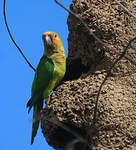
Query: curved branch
[(5, 19)]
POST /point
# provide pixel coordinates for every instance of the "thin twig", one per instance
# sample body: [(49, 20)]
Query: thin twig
[(4, 13)]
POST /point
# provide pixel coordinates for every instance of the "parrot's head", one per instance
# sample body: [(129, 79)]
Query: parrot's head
[(52, 44)]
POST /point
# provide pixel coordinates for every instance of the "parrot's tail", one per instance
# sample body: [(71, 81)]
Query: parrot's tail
[(33, 100), (36, 118)]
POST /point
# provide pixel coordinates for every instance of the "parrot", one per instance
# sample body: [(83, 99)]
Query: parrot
[(49, 72)]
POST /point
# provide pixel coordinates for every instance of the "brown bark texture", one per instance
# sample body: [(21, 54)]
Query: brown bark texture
[(67, 120)]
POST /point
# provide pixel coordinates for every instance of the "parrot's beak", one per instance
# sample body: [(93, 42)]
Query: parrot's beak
[(48, 42)]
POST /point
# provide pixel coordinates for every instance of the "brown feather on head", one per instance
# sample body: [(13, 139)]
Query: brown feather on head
[(52, 43)]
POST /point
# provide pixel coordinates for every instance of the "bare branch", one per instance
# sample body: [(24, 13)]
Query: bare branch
[(4, 13)]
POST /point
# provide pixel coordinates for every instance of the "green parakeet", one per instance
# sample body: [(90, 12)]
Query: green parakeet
[(49, 72)]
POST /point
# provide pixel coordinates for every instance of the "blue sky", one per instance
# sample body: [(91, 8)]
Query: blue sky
[(27, 21)]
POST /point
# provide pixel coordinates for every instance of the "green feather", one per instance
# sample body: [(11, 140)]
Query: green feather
[(43, 76)]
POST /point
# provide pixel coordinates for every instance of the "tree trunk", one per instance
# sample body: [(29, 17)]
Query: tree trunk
[(67, 121)]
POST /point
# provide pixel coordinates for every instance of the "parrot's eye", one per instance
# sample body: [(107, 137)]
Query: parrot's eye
[(55, 35)]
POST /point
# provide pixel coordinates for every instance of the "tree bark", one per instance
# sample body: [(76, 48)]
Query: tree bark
[(67, 120)]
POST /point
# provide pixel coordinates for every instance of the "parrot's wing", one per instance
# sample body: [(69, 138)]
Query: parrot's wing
[(43, 76)]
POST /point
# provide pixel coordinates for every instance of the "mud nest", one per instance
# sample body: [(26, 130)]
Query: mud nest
[(67, 120)]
